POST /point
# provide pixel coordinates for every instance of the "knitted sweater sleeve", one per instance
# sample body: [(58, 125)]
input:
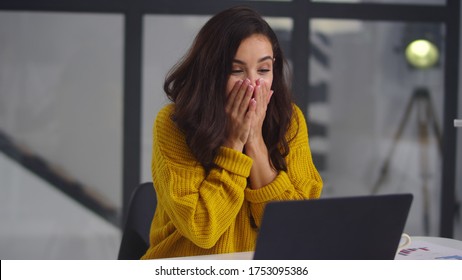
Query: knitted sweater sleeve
[(301, 181), (201, 207)]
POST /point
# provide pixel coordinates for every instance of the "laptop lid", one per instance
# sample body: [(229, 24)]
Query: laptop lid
[(362, 227)]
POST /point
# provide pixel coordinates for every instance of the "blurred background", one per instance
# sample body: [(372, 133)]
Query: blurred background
[(81, 83)]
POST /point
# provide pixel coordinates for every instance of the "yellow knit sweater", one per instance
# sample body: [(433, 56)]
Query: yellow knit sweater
[(198, 214)]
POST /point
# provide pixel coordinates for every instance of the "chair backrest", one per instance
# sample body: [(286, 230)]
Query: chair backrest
[(135, 237)]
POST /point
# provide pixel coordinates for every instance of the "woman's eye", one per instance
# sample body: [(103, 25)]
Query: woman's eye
[(236, 71), (264, 70)]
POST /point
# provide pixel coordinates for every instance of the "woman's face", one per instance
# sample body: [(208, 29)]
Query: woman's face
[(253, 61)]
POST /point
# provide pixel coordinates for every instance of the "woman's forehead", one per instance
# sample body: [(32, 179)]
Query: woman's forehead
[(255, 48)]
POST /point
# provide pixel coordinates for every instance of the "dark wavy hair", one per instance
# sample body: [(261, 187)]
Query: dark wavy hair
[(197, 86)]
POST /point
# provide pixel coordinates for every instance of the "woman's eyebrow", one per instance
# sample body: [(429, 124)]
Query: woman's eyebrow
[(260, 60)]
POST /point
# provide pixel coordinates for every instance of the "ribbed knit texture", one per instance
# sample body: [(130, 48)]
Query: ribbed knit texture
[(217, 213)]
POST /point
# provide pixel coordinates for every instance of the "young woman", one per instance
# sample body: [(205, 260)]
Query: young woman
[(231, 141)]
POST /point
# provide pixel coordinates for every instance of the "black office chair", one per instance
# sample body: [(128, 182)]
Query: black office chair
[(141, 208)]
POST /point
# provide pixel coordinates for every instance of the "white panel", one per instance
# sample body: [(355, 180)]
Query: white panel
[(61, 93), (39, 222)]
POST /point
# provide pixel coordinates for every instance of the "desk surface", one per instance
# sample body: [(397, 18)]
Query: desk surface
[(446, 242), (452, 243)]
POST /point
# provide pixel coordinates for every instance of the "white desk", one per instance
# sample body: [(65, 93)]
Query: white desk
[(451, 243)]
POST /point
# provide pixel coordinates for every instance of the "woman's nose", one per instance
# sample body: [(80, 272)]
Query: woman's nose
[(253, 79)]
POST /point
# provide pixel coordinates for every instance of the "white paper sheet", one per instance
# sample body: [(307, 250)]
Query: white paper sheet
[(421, 250)]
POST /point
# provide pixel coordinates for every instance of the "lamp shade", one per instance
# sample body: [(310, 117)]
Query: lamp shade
[(422, 54)]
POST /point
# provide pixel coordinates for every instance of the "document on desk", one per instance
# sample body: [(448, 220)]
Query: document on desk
[(421, 250)]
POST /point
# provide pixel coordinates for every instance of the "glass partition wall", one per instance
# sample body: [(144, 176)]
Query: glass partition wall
[(61, 101), (382, 115)]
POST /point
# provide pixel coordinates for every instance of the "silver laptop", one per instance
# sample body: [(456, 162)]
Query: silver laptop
[(346, 228)]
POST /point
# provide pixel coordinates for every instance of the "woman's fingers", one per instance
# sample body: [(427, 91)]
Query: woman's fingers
[(269, 92), (240, 109), (244, 105), (232, 95), (251, 110), (263, 94), (239, 97)]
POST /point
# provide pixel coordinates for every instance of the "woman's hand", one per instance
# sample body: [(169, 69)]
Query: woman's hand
[(240, 109), (262, 172), (262, 95)]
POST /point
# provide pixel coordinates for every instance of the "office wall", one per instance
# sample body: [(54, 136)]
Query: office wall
[(38, 222), (61, 93), (61, 99)]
